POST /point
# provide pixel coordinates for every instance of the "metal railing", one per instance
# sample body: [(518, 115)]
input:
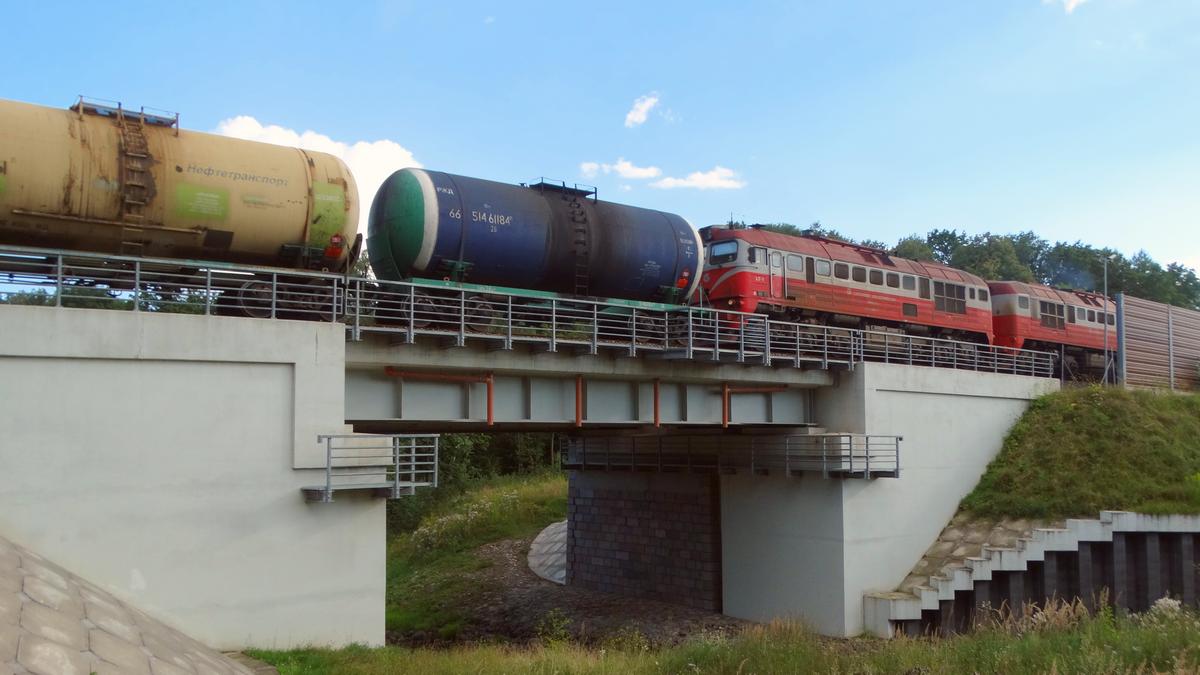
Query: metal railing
[(386, 465), (406, 310), (831, 454)]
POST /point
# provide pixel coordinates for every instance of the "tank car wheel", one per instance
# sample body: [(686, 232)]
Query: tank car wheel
[(651, 327), (482, 314), (424, 310), (312, 301), (254, 299)]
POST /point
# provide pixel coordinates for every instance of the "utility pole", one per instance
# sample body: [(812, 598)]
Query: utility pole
[(1105, 318)]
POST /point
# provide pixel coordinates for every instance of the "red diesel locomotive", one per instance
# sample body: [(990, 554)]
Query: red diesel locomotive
[(1073, 323), (825, 281)]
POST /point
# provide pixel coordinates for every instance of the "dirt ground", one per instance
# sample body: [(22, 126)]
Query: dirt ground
[(514, 605)]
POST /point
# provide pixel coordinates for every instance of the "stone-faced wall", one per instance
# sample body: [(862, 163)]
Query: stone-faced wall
[(650, 536)]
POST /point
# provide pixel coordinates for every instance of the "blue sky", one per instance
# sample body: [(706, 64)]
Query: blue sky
[(1078, 120)]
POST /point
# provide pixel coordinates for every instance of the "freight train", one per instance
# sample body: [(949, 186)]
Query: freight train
[(101, 178)]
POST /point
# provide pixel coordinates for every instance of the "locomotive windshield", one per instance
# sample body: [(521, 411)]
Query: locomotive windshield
[(722, 252)]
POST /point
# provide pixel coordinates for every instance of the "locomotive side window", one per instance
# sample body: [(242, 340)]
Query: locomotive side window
[(722, 252), (1112, 319), (1052, 314), (910, 283), (776, 260), (757, 253), (841, 271), (972, 294), (983, 295), (1023, 301), (795, 263), (822, 267), (877, 277), (949, 297), (859, 274), (1092, 315), (924, 288), (1070, 313), (893, 280)]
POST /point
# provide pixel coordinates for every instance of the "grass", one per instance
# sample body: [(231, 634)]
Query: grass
[(1079, 451), (1167, 641), (428, 588)]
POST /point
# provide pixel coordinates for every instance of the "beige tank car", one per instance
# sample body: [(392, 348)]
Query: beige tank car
[(101, 178)]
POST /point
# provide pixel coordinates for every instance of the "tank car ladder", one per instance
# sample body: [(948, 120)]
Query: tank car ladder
[(135, 159), (579, 224)]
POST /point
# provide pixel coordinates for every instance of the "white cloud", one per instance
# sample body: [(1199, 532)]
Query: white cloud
[(370, 161), (719, 178), (626, 188), (490, 19), (622, 167), (1068, 5), (641, 109)]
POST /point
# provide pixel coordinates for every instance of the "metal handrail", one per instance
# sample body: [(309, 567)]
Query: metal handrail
[(397, 463), (478, 314), (830, 454)]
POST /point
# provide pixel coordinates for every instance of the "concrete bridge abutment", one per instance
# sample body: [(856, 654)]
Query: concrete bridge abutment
[(806, 546)]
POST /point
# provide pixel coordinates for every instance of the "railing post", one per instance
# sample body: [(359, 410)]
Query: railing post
[(437, 440), (741, 356), (412, 313), (633, 317), (333, 310), (58, 275), (395, 467), (328, 496), (207, 291), (357, 322), (595, 328), (688, 346), (508, 324), (274, 291), (462, 318), (553, 325), (766, 342), (137, 285)]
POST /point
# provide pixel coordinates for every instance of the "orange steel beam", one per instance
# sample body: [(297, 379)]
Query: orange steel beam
[(728, 391), (486, 378), (578, 400)]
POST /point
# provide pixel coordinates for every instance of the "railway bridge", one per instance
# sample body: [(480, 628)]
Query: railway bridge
[(739, 464)]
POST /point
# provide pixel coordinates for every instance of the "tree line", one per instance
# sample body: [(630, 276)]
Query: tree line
[(1027, 257)]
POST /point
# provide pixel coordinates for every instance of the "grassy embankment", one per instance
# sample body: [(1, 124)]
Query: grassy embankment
[(428, 590), (1167, 641), (1079, 451)]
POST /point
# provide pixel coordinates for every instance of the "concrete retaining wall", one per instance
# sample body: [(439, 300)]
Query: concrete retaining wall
[(161, 456)]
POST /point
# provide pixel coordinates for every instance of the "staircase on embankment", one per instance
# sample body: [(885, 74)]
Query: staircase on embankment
[(1137, 558)]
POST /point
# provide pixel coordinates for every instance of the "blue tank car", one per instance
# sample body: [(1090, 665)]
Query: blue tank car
[(546, 237)]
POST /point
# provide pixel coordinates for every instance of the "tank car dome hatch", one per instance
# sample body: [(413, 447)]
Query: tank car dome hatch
[(546, 236)]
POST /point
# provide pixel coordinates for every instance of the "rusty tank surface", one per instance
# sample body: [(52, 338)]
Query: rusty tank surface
[(103, 178)]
